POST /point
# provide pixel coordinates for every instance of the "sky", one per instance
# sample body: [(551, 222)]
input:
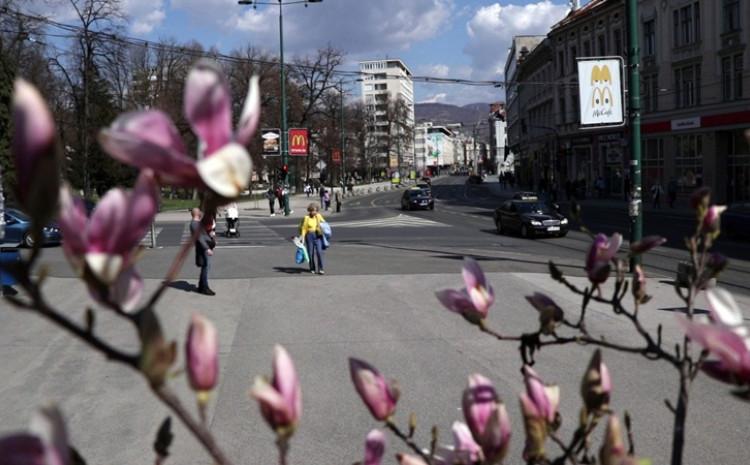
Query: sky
[(466, 39)]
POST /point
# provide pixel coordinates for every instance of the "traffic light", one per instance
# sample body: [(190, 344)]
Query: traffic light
[(283, 173)]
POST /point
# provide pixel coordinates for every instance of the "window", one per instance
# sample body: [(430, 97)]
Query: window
[(686, 25), (562, 109), (738, 76), (618, 42), (689, 160), (653, 161), (573, 56), (649, 38), (587, 49), (650, 91), (602, 45), (731, 15), (726, 78), (687, 83), (561, 63)]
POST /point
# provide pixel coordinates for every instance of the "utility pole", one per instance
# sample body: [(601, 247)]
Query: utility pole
[(634, 119), (343, 139)]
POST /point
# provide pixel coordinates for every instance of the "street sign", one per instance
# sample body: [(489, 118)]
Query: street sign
[(336, 156), (271, 139), (299, 141), (600, 92), (321, 165)]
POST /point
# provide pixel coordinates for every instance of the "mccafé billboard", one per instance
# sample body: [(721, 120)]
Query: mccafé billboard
[(299, 141)]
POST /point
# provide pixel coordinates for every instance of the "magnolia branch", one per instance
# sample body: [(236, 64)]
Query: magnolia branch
[(406, 440)]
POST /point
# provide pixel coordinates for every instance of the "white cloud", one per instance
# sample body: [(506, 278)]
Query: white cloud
[(492, 28), (436, 98), (359, 27), (146, 23)]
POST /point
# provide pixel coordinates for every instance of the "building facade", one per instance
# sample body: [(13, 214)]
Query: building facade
[(694, 99), (384, 81)]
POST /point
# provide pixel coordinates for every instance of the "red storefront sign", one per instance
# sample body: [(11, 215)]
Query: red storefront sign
[(336, 156), (710, 121), (299, 142)]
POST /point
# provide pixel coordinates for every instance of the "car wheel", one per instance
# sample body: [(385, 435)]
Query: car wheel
[(432, 207), (499, 226), (28, 240), (563, 234), (524, 232)]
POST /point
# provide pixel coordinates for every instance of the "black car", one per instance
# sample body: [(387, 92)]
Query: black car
[(417, 198), (530, 218)]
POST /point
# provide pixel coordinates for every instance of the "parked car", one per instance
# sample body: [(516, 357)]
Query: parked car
[(18, 229), (525, 195), (735, 221), (417, 198), (530, 218)]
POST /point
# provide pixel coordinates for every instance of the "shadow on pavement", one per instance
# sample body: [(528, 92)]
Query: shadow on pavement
[(696, 311), (291, 270), (183, 286)]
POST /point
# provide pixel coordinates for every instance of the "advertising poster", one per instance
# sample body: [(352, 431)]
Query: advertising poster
[(271, 141), (299, 142), (600, 92)]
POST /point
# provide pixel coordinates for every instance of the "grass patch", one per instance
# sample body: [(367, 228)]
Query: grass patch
[(168, 204)]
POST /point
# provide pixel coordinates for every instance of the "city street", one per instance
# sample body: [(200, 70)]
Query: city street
[(376, 303)]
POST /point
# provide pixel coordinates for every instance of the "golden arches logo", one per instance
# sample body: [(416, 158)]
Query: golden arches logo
[(601, 75), (601, 98), (299, 140)]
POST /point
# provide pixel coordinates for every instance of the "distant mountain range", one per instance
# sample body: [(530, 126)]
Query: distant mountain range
[(443, 113)]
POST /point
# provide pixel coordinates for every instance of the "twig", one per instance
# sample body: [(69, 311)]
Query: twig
[(405, 439), (170, 399), (497, 335)]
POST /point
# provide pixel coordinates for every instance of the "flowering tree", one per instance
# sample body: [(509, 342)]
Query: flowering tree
[(104, 251)]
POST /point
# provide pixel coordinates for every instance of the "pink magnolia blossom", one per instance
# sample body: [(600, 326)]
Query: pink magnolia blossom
[(45, 444), (596, 384), (34, 150), (544, 399), (105, 245), (646, 244), (202, 354), (639, 285), (711, 223), (473, 301), (727, 338), (149, 139), (486, 418), (378, 394), (550, 314), (408, 459), (602, 251), (465, 448), (374, 447), (281, 399)]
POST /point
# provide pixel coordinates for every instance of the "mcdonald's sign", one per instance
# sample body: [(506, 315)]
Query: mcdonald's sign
[(299, 141)]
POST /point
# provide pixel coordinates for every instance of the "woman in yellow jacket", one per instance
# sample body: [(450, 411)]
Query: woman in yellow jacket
[(309, 230)]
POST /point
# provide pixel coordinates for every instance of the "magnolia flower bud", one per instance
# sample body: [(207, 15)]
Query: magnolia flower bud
[(374, 447), (486, 418), (280, 399), (613, 448), (596, 385), (639, 286), (711, 223), (202, 354), (550, 314), (536, 431), (379, 395)]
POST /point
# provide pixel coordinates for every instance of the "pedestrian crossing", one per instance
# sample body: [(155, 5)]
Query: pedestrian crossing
[(252, 232), (399, 221)]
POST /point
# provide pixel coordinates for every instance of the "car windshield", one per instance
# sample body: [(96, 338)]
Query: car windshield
[(18, 214), (533, 207), (418, 193)]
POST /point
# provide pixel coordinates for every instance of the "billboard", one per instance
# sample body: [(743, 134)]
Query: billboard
[(434, 148), (336, 156), (600, 92), (299, 142), (271, 139)]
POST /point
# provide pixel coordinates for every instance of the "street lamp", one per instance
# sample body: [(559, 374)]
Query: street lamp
[(282, 76)]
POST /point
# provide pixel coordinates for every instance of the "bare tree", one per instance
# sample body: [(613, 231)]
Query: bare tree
[(315, 76)]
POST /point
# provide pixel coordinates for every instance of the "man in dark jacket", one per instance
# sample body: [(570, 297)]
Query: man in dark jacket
[(203, 251)]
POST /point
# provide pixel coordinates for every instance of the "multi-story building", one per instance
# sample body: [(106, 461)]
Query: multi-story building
[(386, 81), (694, 98), (498, 137)]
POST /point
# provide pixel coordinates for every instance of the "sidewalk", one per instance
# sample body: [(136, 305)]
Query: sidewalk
[(297, 204)]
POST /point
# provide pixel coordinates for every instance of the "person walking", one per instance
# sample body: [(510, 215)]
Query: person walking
[(280, 196), (203, 250), (312, 237), (656, 192), (337, 199), (271, 196), (672, 192)]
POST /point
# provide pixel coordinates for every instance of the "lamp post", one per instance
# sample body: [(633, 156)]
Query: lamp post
[(282, 78)]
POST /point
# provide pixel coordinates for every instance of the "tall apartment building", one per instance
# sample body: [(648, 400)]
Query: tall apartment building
[(695, 98), (385, 80)]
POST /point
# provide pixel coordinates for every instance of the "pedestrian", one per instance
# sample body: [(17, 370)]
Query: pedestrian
[(656, 191), (337, 198), (280, 197), (271, 196), (308, 189), (312, 237), (322, 193), (672, 192), (203, 250)]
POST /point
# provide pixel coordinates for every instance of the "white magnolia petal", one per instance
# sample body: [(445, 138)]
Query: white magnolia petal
[(227, 172), (105, 267)]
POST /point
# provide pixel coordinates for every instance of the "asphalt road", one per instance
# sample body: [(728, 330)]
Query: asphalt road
[(377, 303)]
